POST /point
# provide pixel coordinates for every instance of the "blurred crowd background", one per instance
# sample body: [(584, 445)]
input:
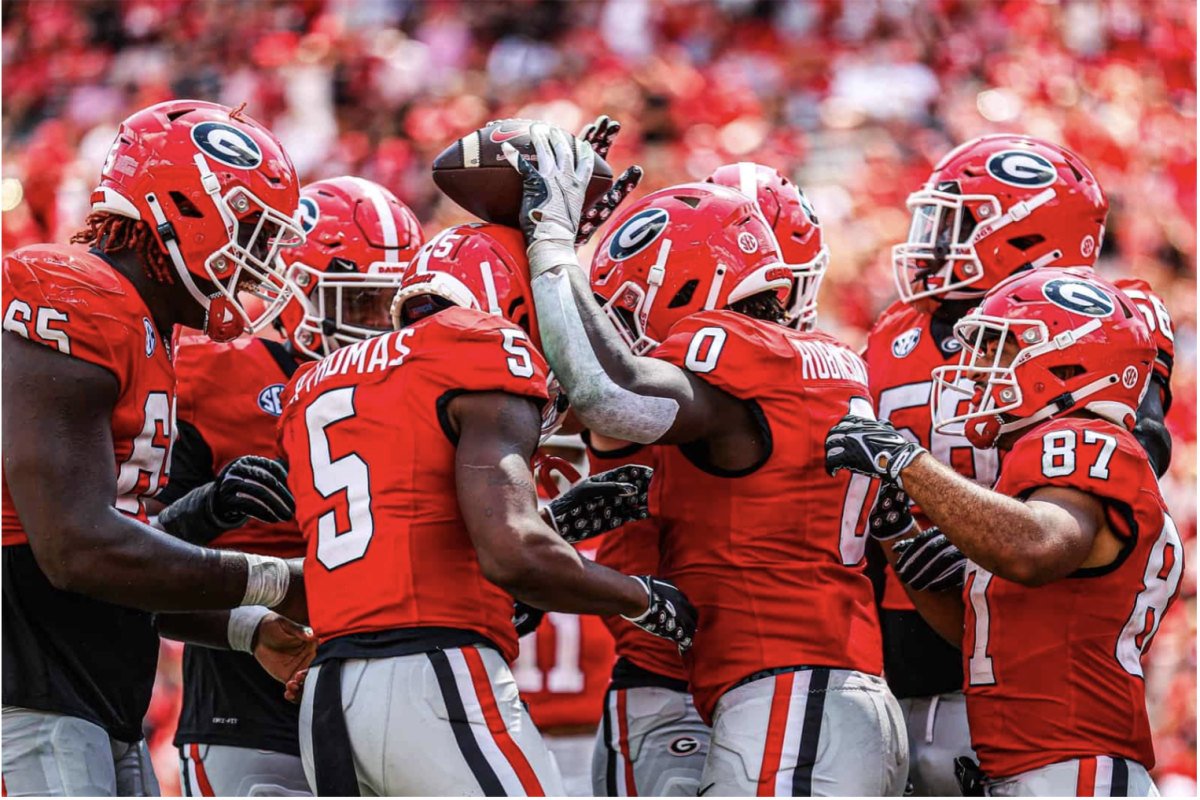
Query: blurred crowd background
[(855, 99)]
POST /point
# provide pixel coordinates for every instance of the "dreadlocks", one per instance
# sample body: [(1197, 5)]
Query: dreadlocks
[(764, 306), (110, 233)]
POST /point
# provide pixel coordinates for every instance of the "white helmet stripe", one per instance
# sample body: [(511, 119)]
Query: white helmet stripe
[(489, 286), (748, 179), (391, 240)]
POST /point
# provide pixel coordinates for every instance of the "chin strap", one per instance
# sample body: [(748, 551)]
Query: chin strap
[(1063, 403), (167, 233)]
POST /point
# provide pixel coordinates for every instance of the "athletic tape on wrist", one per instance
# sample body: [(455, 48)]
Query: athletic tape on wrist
[(649, 602), (243, 622), (267, 581)]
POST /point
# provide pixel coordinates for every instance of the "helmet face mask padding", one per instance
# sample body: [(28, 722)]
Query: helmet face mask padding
[(1042, 344)]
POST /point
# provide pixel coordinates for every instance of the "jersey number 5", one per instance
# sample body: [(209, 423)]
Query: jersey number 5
[(347, 474)]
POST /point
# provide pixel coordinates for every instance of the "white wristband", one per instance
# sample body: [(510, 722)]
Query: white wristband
[(649, 601), (267, 580), (243, 622)]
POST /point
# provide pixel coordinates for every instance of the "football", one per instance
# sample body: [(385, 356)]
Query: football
[(474, 173)]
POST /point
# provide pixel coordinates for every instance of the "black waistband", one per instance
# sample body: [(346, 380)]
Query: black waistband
[(627, 675), (771, 673), (398, 642)]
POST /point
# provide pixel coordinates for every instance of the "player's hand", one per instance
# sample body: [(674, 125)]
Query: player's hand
[(601, 134), (669, 615), (606, 204), (890, 517), (252, 486), (283, 647), (931, 563), (293, 690), (554, 190), (526, 618), (868, 447), (247, 486), (602, 503)]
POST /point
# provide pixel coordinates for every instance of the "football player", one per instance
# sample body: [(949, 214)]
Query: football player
[(737, 400), (237, 736), (651, 740), (1055, 581), (992, 207), (654, 741), (797, 232), (410, 460), (194, 204)]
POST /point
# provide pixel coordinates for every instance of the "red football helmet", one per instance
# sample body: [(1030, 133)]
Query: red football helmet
[(993, 206), (681, 250), (484, 267), (219, 192), (359, 239), (1042, 344), (797, 232)]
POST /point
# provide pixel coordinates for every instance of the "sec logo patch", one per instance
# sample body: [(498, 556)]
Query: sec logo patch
[(268, 399), (151, 339), (906, 342)]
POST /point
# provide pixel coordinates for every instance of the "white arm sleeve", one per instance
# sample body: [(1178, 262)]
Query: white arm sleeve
[(600, 404)]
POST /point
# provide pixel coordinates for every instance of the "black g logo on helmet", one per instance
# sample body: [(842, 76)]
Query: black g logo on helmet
[(638, 232), (1022, 168), (226, 144), (308, 213), (1079, 297)]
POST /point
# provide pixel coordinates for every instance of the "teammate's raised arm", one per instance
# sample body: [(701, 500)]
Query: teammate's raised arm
[(612, 390)]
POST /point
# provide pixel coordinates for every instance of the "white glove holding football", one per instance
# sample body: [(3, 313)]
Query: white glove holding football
[(554, 191)]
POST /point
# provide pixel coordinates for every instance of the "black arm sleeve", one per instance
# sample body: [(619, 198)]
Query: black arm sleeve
[(191, 464), (1150, 431)]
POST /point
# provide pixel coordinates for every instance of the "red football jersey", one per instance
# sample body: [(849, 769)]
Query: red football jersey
[(634, 550), (772, 557), (231, 393), (563, 669), (371, 459), (76, 302), (1055, 672), (902, 351), (1159, 319)]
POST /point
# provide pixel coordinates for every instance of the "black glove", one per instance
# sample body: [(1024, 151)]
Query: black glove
[(670, 615), (931, 563), (600, 211), (250, 486), (869, 447), (891, 517), (602, 503), (601, 134), (526, 618)]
